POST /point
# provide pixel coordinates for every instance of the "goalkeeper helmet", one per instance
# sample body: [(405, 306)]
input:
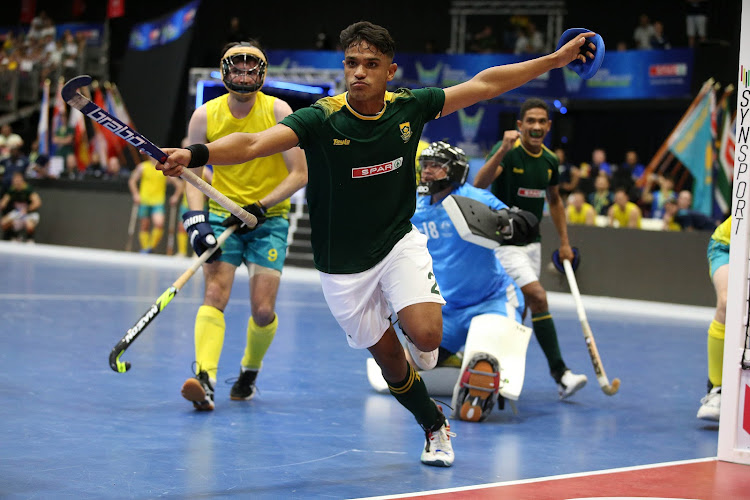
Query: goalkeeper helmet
[(243, 68), (451, 159)]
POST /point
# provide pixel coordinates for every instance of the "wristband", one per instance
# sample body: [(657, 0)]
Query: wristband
[(262, 207), (198, 155)]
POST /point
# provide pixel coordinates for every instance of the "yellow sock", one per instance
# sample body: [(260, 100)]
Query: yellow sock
[(143, 239), (209, 339), (182, 243), (715, 352), (259, 339), (156, 234)]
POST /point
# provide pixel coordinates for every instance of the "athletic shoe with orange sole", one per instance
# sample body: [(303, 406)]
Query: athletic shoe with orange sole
[(479, 386), (199, 391)]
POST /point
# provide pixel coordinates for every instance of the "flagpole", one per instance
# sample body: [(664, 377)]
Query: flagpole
[(656, 160)]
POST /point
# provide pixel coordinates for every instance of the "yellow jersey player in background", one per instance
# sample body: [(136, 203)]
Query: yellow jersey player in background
[(263, 186), (718, 268), (150, 195)]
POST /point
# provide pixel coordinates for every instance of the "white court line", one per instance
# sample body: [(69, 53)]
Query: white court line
[(539, 479), (557, 300)]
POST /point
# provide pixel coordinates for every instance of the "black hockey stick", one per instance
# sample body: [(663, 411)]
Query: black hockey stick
[(71, 95), (158, 306)]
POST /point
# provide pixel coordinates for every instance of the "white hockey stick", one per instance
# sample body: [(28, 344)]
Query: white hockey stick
[(601, 376), (71, 95)]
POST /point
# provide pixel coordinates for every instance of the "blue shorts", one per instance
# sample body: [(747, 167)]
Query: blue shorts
[(456, 321), (265, 246), (718, 255), (146, 211)]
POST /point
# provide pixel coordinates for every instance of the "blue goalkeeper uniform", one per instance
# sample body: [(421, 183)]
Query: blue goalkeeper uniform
[(470, 277)]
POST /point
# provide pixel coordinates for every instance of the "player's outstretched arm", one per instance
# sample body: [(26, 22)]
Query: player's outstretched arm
[(494, 81), (232, 149)]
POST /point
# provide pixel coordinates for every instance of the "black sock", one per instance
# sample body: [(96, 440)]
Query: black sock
[(412, 394)]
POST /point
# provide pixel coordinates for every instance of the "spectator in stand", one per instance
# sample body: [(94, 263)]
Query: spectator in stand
[(659, 40), (626, 174), (695, 20), (484, 42), (531, 41), (656, 199), (15, 162), (569, 174), (601, 199), (599, 162), (69, 55), (578, 211), (643, 32), (623, 212), (689, 219), (21, 203), (670, 211), (8, 140)]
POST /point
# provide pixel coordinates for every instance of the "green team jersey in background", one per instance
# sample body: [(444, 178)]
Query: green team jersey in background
[(525, 177), (361, 191)]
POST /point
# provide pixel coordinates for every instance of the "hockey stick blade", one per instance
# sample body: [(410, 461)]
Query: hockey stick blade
[(71, 95), (596, 360), (159, 305)]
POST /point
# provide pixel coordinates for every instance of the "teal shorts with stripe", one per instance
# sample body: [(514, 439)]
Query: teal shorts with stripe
[(145, 211), (718, 255), (265, 246)]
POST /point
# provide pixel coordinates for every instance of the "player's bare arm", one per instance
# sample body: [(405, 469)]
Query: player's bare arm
[(239, 147), (492, 168), (196, 135), (494, 81), (557, 212), (295, 161)]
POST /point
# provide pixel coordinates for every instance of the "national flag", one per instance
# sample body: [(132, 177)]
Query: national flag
[(122, 111), (693, 147), (59, 114), (720, 123), (43, 127), (113, 145), (28, 10), (726, 145), (80, 139)]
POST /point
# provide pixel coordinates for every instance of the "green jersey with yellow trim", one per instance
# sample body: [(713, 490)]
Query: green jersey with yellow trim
[(361, 193), (525, 177)]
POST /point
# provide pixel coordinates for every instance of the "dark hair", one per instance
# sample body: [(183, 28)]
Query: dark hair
[(374, 35), (531, 104), (250, 42)]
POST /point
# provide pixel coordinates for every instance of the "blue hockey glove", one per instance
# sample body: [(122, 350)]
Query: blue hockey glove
[(199, 233)]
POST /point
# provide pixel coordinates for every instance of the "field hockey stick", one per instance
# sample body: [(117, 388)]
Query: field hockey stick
[(596, 360), (158, 306), (170, 232), (71, 95), (131, 227)]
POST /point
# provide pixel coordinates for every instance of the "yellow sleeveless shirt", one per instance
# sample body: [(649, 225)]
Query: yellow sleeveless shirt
[(153, 185), (247, 182)]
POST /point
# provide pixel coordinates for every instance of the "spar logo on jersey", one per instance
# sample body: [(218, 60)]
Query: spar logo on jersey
[(530, 193), (383, 168)]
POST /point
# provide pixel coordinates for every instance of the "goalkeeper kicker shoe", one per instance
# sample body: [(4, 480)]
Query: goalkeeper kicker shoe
[(569, 383), (200, 391), (244, 387), (438, 450), (478, 388), (711, 405)]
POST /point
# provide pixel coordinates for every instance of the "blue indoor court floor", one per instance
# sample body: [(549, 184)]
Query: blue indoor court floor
[(73, 428)]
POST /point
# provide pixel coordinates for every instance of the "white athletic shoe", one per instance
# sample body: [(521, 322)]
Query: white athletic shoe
[(438, 450), (711, 405), (570, 383), (423, 360)]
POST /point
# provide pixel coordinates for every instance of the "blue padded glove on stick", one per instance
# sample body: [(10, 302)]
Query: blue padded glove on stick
[(589, 68)]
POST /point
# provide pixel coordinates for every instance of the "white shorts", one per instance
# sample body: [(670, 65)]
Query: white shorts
[(523, 264), (360, 301), (696, 25)]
